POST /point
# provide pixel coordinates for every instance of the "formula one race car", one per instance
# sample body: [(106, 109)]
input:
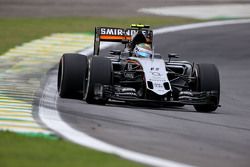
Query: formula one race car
[(137, 74)]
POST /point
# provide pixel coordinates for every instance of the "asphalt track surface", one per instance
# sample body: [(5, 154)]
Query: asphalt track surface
[(220, 139)]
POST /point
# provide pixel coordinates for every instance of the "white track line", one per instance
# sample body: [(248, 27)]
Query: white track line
[(51, 117), (199, 25), (202, 11)]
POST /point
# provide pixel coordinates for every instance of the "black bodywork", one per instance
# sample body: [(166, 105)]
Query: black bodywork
[(119, 76)]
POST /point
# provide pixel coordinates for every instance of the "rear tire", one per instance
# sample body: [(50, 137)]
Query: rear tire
[(72, 74), (208, 80), (100, 73)]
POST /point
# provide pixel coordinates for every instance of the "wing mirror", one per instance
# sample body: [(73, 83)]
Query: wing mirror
[(172, 55), (115, 52)]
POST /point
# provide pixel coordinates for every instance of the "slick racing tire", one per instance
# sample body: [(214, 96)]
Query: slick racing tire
[(100, 73), (208, 80), (72, 72)]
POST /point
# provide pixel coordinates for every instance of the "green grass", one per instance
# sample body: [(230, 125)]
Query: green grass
[(22, 151), (15, 31)]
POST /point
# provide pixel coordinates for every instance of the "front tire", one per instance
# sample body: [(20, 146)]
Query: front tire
[(72, 74), (208, 80), (100, 73)]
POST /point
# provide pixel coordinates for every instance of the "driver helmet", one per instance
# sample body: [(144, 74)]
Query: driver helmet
[(143, 50)]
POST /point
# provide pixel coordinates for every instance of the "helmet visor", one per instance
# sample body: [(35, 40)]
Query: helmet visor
[(143, 54)]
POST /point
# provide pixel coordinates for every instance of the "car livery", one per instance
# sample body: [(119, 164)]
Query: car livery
[(121, 76)]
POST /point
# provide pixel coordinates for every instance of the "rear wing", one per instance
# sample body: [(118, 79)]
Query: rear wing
[(111, 34)]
